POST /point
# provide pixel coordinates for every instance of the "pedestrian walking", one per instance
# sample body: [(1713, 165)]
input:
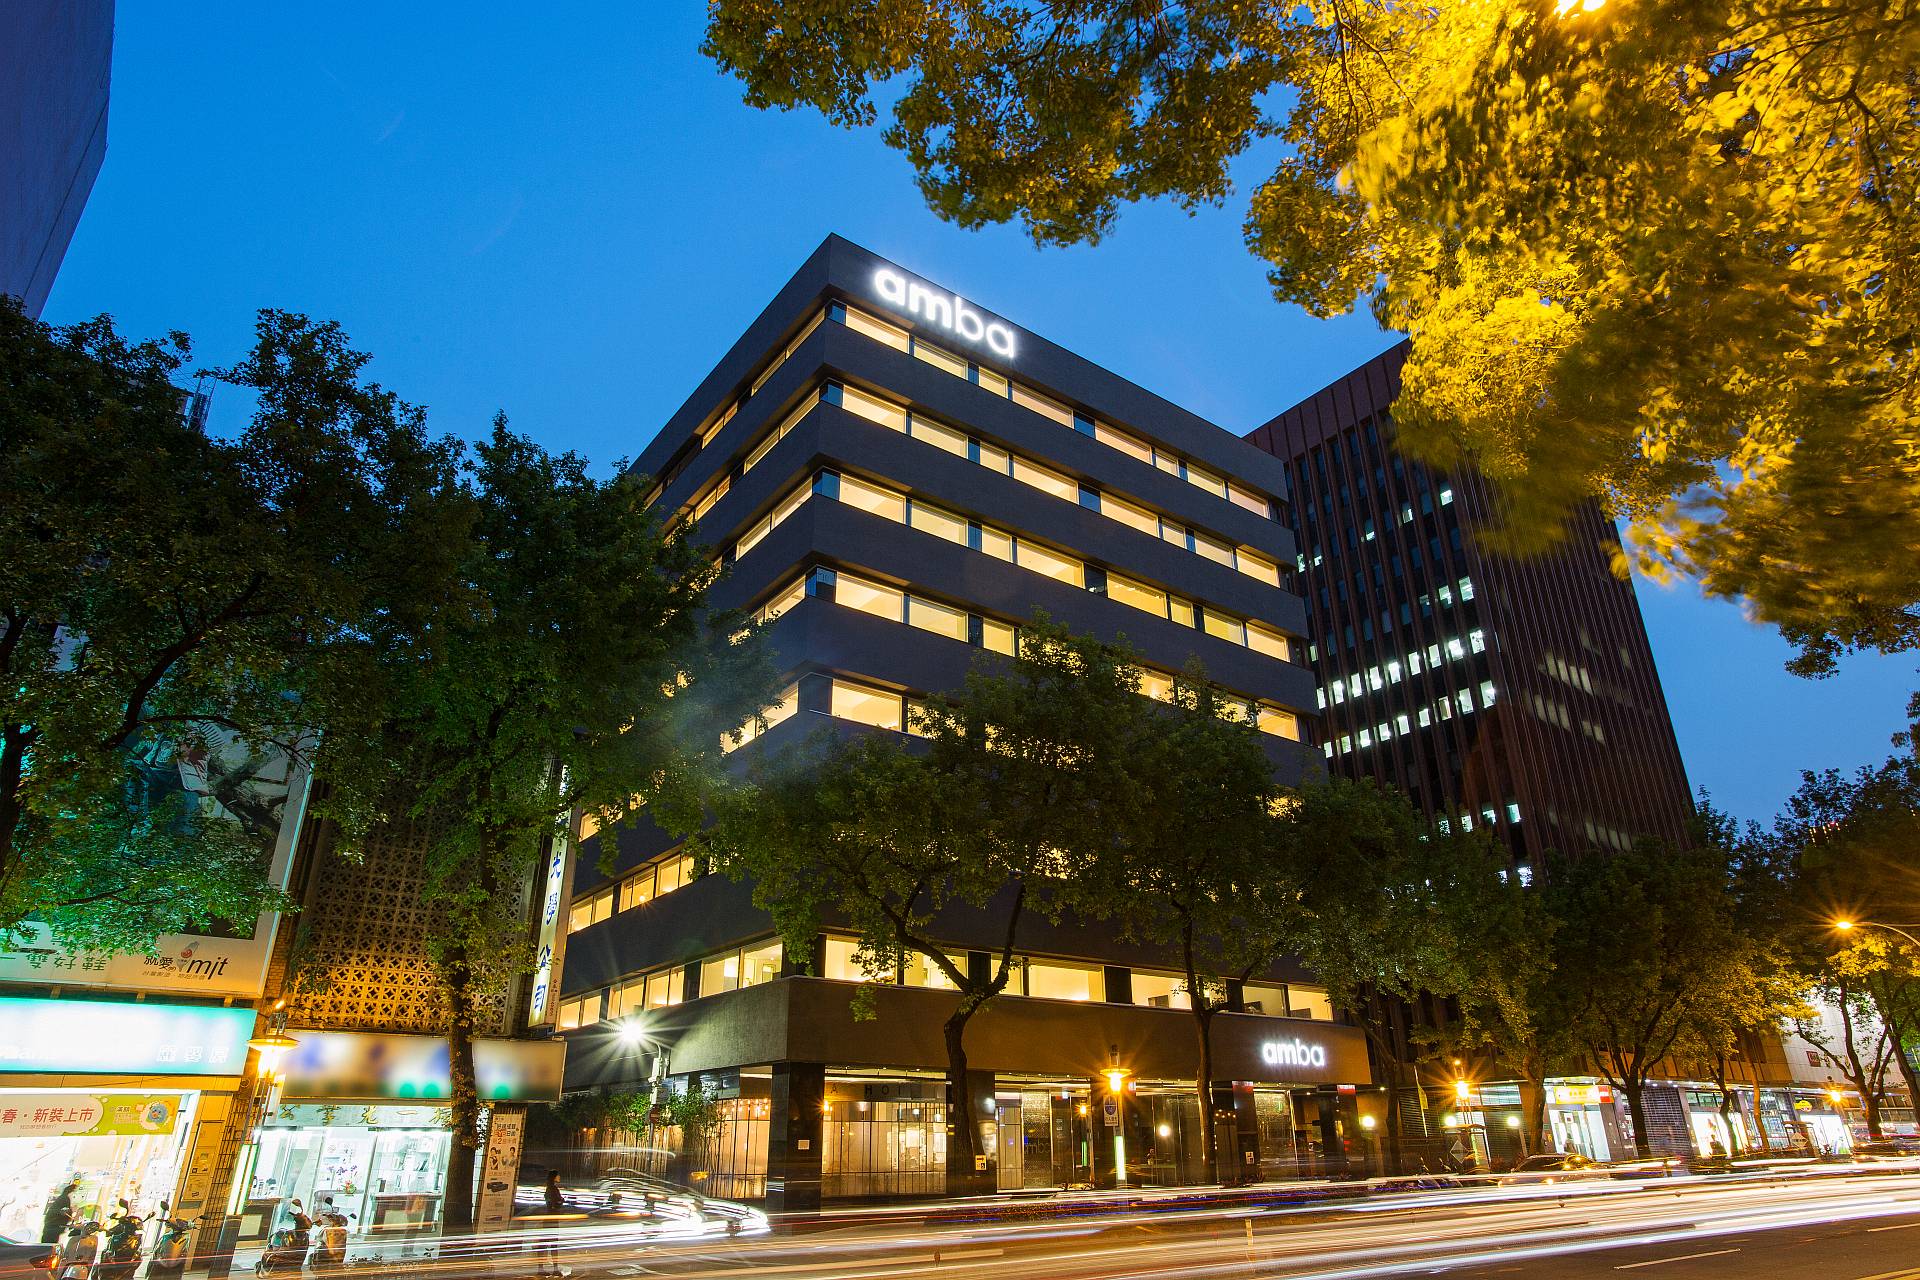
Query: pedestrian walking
[(59, 1213), (556, 1203)]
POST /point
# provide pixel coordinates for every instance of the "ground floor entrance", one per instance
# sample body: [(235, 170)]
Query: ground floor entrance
[(115, 1145), (384, 1167)]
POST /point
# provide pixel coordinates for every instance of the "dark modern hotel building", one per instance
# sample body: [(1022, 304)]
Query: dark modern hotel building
[(1513, 694), (896, 478)]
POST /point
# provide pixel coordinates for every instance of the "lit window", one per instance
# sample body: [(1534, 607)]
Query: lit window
[(1374, 683), (1281, 724), (1402, 724), (1346, 743), (1251, 501), (991, 381), (1054, 980), (866, 706), (782, 602), (1426, 716), (1446, 496), (1477, 641), (1258, 567), (1466, 588), (1406, 515), (1181, 611), (1455, 649), (873, 409), (954, 442), (1059, 568), (994, 543), (721, 973), (1216, 485), (1046, 480), (1339, 693), (1513, 812), (1127, 444), (663, 989), (714, 495), (1218, 552), (878, 330), (869, 597), (1226, 628), (1464, 700), (1128, 514), (1446, 596), (945, 361), (1393, 671), (1041, 405), (1486, 693), (937, 618), (1160, 990), (997, 636), (1156, 686), (841, 966), (637, 889), (865, 497), (1433, 655), (1413, 664), (941, 524), (922, 970), (994, 458), (1320, 698)]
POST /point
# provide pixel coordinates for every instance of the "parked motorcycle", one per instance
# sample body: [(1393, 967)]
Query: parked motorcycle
[(330, 1242), (170, 1251), (120, 1254), (79, 1251), (287, 1246)]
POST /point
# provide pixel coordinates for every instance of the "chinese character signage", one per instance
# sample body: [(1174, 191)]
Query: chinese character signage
[(54, 1115), (553, 894), (80, 1037), (219, 776)]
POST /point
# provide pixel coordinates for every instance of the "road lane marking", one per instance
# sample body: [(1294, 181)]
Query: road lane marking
[(1685, 1257), (1898, 1226)]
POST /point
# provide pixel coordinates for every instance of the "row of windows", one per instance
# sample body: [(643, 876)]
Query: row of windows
[(1114, 438), (1049, 481), (1403, 724), (894, 505), (1556, 712), (895, 605), (1488, 817), (1394, 670), (847, 700), (1031, 976), (654, 880)]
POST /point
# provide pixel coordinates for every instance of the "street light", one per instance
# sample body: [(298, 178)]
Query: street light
[(1847, 926), (1116, 1086)]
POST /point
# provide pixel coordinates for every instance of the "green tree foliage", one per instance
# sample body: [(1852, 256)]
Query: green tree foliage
[(1847, 848), (1193, 869), (1647, 946), (565, 660), (1359, 858), (1658, 253), (165, 593), (995, 812)]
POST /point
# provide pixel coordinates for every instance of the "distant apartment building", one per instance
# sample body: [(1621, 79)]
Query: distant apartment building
[(1518, 695)]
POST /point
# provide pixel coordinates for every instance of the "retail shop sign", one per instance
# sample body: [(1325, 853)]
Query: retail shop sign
[(1293, 1053), (82, 1037), (943, 310), (90, 1115)]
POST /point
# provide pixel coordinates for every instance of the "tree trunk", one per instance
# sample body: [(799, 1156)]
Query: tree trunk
[(1870, 1099), (1897, 1029), (457, 1211), (961, 1175), (1760, 1117), (1636, 1108), (1533, 1111), (1203, 1084)]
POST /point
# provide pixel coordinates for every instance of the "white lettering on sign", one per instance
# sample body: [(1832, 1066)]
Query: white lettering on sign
[(947, 310), (1293, 1053)]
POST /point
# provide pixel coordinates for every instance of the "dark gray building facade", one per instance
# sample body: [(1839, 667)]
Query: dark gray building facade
[(897, 477), (56, 63)]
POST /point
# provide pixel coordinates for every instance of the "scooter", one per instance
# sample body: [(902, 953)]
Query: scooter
[(169, 1259), (287, 1246), (120, 1255), (78, 1252), (330, 1243)]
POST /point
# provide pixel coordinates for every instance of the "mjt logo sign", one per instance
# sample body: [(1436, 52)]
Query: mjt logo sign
[(949, 311)]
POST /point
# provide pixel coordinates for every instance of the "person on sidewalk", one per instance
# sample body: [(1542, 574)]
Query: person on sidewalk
[(550, 1243), (59, 1215)]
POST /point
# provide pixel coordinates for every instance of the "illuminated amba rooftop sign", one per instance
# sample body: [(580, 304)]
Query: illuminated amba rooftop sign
[(948, 311)]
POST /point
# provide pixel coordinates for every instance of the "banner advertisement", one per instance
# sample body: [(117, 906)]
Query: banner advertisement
[(102, 1038), (55, 1115), (500, 1169), (220, 776), (375, 1066)]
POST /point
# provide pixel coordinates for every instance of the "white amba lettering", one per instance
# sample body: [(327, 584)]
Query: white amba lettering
[(947, 310), (1293, 1053)]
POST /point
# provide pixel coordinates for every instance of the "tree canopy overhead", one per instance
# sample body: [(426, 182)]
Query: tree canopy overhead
[(1656, 252)]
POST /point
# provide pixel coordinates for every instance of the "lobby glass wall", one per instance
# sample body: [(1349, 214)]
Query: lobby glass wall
[(883, 1137)]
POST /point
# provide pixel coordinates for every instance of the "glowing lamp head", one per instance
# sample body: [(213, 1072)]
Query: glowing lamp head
[(1843, 925), (1117, 1079), (271, 1051), (1461, 1089), (632, 1032), (1367, 1123), (1513, 1122)]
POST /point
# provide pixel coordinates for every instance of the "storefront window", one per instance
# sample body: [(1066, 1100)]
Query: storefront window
[(384, 1167), (883, 1148), (118, 1145)]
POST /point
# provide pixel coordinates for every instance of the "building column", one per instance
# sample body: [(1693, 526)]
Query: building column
[(794, 1123), (1333, 1143), (976, 1111), (1244, 1154)]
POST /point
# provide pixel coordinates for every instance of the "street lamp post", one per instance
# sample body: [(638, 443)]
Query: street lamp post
[(1117, 1116), (1847, 926)]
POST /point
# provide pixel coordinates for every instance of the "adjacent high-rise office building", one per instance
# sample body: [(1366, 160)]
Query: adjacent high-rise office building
[(898, 477), (1515, 694), (56, 62)]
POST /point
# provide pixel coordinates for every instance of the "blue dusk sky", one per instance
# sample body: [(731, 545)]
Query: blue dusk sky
[(566, 213)]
